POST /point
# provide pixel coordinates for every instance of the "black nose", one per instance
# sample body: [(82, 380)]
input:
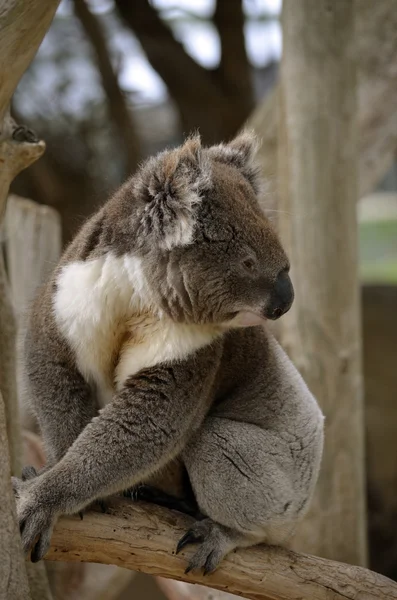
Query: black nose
[(282, 297)]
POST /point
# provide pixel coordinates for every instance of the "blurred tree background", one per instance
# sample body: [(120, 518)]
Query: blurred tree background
[(117, 80)]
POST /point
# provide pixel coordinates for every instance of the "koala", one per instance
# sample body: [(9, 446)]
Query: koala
[(148, 359)]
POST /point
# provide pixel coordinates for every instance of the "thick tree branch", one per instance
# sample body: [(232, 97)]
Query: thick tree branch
[(198, 98), (143, 538), (22, 28), (117, 104)]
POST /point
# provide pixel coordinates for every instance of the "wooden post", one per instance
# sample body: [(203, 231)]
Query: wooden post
[(33, 246), (318, 179)]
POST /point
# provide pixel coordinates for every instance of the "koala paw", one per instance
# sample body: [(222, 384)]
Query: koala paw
[(30, 472), (215, 542), (36, 519)]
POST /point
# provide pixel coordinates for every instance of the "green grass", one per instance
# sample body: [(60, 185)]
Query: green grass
[(378, 251)]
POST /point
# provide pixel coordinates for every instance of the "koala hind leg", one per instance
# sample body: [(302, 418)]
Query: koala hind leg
[(243, 478)]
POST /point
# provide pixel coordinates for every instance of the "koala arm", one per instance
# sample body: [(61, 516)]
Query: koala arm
[(61, 399), (144, 427)]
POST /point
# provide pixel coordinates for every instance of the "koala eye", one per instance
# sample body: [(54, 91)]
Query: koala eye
[(249, 264)]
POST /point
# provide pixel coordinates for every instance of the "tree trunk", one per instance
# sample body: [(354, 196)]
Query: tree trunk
[(234, 72), (13, 579), (119, 111), (197, 92), (318, 223), (22, 28), (376, 49)]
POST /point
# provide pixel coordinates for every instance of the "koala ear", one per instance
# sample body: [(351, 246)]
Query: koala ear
[(241, 153), (169, 188)]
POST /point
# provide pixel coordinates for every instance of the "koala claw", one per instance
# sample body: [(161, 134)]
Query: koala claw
[(190, 537), (28, 472), (215, 542), (36, 520)]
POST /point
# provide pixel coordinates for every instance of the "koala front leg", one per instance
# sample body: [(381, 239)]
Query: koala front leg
[(61, 399), (144, 427)]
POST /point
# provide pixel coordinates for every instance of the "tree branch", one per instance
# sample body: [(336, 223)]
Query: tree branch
[(234, 70), (117, 104), (198, 98), (143, 538), (22, 28)]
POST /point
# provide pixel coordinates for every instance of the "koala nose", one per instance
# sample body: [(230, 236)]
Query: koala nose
[(281, 298)]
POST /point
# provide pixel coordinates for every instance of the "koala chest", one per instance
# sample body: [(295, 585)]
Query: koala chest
[(103, 309)]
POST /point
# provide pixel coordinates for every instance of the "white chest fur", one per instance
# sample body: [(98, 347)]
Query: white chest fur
[(104, 310)]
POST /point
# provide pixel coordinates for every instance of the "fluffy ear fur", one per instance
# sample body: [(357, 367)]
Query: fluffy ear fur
[(241, 153), (170, 186)]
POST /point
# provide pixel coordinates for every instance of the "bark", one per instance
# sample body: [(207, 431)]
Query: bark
[(18, 149), (144, 538), (376, 49), (13, 579), (22, 28), (318, 224), (118, 108)]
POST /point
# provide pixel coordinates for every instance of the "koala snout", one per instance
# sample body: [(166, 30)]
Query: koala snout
[(281, 298)]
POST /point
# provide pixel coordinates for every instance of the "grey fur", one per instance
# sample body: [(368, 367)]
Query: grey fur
[(235, 412)]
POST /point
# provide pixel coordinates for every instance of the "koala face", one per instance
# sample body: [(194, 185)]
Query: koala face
[(211, 256), (235, 270)]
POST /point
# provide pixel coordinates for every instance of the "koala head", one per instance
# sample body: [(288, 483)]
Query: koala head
[(209, 253)]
